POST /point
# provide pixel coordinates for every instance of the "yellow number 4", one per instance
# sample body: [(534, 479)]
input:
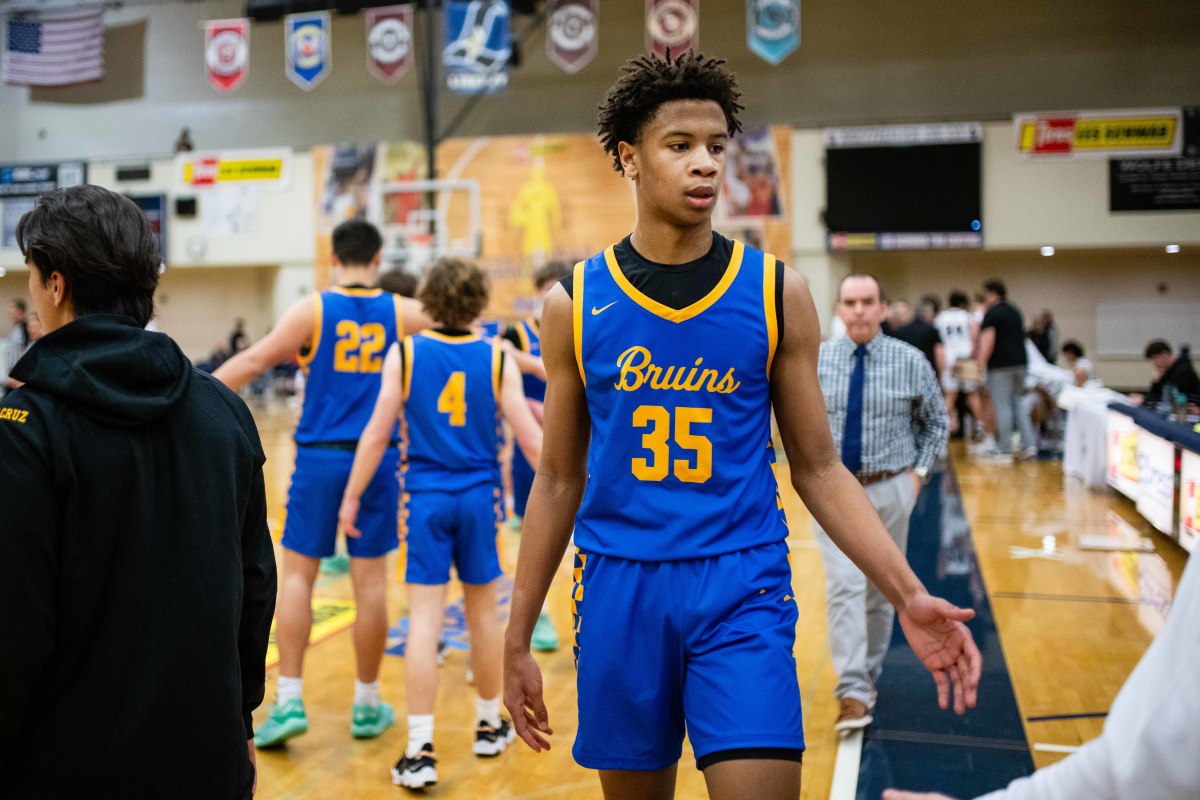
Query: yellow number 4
[(453, 399), (658, 419)]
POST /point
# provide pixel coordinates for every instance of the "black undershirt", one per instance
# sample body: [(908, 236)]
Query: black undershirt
[(679, 285), (446, 332)]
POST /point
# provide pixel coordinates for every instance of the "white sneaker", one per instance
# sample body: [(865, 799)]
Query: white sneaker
[(1029, 454), (417, 772), (996, 457), (986, 447), (491, 741)]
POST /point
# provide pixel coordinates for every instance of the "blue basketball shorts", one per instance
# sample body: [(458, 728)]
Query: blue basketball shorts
[(315, 495), (704, 644), (456, 528)]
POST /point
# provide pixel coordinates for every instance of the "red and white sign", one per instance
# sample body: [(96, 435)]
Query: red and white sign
[(226, 53), (672, 25), (1189, 501), (572, 33), (390, 42)]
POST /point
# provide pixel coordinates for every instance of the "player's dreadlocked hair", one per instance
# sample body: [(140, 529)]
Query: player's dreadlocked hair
[(648, 82)]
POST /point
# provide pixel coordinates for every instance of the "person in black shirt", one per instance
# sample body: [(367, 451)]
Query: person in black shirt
[(1171, 371), (1002, 351), (923, 336), (135, 541)]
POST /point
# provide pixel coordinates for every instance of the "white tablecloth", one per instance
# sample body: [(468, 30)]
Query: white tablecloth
[(1085, 445)]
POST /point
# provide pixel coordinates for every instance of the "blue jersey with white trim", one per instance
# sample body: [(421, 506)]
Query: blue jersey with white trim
[(344, 364), (680, 463), (529, 332), (451, 408)]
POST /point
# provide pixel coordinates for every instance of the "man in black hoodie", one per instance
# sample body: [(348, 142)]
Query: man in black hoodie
[(138, 570)]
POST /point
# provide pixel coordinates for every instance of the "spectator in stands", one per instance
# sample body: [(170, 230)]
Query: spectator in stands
[(1171, 371), (1073, 360), (18, 340), (899, 314), (238, 340)]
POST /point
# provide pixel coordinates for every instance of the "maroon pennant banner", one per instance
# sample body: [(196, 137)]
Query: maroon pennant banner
[(573, 33), (226, 53), (673, 24), (390, 41)]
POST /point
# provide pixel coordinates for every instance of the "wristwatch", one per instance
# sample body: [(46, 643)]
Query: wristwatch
[(922, 473)]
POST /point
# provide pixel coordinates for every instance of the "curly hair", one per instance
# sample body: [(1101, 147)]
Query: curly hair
[(454, 291), (648, 82)]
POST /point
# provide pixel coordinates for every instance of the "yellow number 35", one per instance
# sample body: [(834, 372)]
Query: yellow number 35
[(658, 420)]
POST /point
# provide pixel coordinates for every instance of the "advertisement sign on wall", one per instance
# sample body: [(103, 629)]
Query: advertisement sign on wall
[(1090, 134)]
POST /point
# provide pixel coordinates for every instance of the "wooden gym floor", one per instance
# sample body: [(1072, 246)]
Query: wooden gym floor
[(1070, 627)]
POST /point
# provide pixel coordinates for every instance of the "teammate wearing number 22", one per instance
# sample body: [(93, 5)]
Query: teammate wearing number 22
[(342, 336), (665, 354)]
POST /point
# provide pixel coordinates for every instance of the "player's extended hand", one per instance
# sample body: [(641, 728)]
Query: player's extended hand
[(347, 516), (896, 794), (936, 633), (523, 699)]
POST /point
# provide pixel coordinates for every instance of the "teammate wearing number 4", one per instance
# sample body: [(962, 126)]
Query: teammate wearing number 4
[(665, 355), (342, 336), (451, 385)]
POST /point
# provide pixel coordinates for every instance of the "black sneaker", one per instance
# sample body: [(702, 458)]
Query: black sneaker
[(491, 741), (417, 772)]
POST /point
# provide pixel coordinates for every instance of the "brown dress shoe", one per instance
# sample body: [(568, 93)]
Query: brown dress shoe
[(852, 715)]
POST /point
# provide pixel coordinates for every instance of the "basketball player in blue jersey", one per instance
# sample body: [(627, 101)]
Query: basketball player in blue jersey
[(342, 336), (523, 342), (451, 385), (665, 355)]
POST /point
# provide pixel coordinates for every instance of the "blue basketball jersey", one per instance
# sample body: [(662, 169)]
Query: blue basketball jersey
[(529, 332), (451, 389), (344, 364), (680, 463)]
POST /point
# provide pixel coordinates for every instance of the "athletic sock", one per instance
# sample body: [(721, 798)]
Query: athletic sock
[(488, 710), (288, 689), (366, 694), (420, 733)]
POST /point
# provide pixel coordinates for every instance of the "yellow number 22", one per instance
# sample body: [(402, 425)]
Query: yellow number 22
[(359, 349)]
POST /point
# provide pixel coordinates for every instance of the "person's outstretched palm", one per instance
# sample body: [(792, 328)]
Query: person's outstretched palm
[(935, 631)]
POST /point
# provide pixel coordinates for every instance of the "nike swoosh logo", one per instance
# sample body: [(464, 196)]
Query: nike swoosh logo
[(596, 311)]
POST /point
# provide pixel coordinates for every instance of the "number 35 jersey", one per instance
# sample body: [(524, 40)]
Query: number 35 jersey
[(353, 331), (680, 463)]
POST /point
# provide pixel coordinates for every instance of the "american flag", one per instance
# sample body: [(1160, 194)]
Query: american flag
[(55, 51)]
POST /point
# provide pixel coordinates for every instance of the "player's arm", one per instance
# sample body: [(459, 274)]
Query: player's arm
[(554, 499), (516, 410), (29, 551), (374, 440), (414, 316), (528, 364), (840, 505), (293, 331), (987, 346)]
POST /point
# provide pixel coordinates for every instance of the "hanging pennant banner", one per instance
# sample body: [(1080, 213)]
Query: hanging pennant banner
[(773, 28), (390, 42), (673, 24), (573, 33), (478, 46), (226, 53), (308, 45)]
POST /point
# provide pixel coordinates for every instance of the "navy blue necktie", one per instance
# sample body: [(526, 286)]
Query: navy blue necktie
[(852, 435)]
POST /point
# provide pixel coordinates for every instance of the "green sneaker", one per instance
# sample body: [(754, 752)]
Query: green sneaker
[(367, 722), (338, 564), (286, 721), (545, 638)]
